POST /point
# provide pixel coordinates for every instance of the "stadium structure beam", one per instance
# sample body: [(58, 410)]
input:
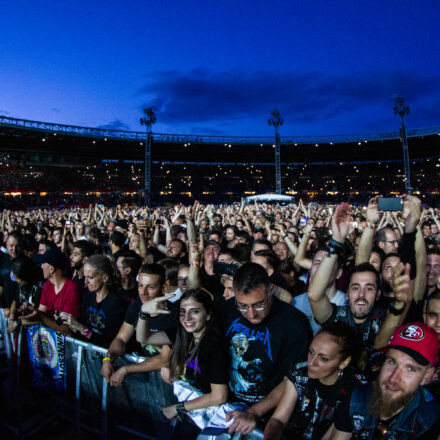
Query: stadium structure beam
[(276, 121), (148, 120), (402, 110), (106, 133)]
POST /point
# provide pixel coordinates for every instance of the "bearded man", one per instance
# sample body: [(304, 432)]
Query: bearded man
[(396, 406)]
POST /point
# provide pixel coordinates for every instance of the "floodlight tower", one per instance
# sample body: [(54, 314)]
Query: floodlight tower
[(148, 120), (402, 110), (276, 121)]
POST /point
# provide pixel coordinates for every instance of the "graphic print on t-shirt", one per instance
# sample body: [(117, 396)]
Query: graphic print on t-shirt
[(246, 372), (97, 319)]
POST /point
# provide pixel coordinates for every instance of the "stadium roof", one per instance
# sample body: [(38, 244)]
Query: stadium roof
[(206, 139)]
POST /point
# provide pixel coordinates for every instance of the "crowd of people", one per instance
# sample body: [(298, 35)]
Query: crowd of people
[(118, 183), (307, 321)]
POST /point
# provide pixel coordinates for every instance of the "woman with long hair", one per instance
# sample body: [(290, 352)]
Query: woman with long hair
[(314, 388), (198, 356), (102, 311)]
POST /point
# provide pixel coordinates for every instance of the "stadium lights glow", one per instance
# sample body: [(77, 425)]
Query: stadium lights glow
[(316, 145)]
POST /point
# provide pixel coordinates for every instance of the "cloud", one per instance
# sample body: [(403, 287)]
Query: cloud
[(4, 112), (55, 109), (202, 96), (115, 125)]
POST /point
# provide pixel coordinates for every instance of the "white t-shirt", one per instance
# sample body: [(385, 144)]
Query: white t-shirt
[(301, 302)]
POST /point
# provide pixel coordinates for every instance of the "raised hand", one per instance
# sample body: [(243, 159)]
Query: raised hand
[(156, 305), (373, 214), (340, 225), (401, 283)]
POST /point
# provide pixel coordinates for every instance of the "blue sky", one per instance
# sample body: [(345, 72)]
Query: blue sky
[(219, 67)]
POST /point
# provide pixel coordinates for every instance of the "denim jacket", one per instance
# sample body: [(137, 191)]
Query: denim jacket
[(412, 422)]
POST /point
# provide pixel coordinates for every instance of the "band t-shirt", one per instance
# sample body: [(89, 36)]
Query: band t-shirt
[(104, 318), (260, 354), (67, 300), (316, 403)]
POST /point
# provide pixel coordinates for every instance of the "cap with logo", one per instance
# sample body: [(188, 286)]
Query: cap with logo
[(416, 340)]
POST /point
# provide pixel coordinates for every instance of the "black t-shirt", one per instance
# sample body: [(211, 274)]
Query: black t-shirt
[(158, 323), (316, 402), (28, 294), (10, 288), (260, 354), (209, 364), (128, 295), (211, 282), (104, 319)]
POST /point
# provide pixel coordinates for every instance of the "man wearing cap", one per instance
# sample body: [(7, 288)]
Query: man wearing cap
[(59, 294), (397, 406)]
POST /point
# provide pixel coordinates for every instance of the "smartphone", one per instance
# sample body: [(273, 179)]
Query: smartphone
[(390, 204)]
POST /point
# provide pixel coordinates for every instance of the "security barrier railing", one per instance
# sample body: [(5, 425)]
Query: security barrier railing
[(70, 371)]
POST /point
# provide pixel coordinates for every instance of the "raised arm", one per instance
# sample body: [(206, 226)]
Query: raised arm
[(367, 238), (190, 227), (319, 302), (143, 334), (420, 280), (300, 257), (194, 280), (402, 300)]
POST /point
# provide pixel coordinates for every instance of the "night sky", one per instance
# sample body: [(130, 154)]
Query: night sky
[(219, 67)]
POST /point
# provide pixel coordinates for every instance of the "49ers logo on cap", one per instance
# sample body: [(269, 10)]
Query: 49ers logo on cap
[(412, 333)]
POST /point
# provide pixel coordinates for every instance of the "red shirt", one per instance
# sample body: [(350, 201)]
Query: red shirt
[(67, 300)]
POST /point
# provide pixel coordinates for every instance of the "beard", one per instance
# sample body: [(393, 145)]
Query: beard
[(383, 407)]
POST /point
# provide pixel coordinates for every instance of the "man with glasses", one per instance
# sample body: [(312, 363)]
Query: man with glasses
[(265, 336), (386, 239)]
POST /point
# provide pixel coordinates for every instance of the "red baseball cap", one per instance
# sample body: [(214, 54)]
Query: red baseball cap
[(416, 340)]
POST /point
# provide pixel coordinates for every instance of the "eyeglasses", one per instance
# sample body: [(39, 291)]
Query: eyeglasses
[(258, 307)]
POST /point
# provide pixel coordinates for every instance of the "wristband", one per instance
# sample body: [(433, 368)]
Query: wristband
[(285, 236), (370, 225), (107, 359), (195, 264), (180, 408), (143, 316), (395, 311), (86, 332)]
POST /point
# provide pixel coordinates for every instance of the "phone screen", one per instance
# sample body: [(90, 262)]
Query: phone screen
[(390, 204)]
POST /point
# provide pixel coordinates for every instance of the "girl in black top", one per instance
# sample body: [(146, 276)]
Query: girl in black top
[(198, 355), (315, 388)]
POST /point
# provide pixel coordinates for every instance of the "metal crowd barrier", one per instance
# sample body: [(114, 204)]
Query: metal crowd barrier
[(78, 392)]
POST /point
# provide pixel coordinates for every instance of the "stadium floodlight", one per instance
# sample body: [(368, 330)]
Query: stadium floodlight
[(276, 121), (402, 110), (148, 120)]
